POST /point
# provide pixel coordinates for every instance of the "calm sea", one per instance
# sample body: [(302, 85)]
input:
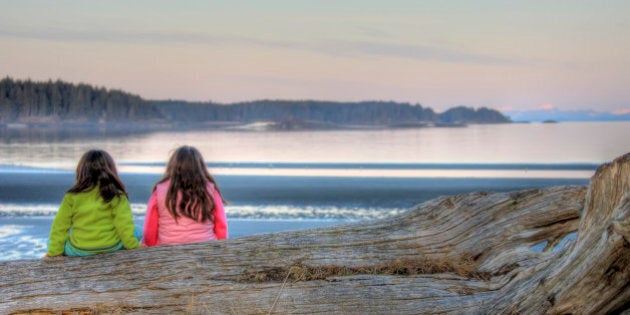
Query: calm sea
[(304, 179)]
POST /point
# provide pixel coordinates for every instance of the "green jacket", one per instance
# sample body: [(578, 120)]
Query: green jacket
[(92, 224)]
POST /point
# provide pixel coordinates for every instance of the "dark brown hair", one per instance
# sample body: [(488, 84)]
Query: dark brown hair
[(96, 168), (187, 193)]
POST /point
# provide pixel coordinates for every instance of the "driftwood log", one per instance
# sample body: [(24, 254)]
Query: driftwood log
[(473, 253)]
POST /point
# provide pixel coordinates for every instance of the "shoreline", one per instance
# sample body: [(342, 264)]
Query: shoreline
[(347, 170), (146, 126), (25, 237)]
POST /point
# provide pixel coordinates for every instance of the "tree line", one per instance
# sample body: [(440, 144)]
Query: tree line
[(371, 113), (58, 101), (352, 113)]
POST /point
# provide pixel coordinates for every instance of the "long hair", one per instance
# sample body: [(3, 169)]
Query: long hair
[(187, 194), (96, 168)]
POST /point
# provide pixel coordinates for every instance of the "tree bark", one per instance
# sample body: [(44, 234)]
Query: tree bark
[(555, 250)]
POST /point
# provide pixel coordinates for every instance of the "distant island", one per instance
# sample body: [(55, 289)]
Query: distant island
[(58, 104), (559, 115)]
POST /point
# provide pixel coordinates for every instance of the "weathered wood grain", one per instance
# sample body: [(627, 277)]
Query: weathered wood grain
[(463, 254)]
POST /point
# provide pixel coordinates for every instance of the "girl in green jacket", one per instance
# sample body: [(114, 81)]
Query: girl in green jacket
[(95, 215)]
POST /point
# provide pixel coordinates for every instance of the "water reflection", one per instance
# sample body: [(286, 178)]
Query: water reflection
[(25, 134), (508, 143)]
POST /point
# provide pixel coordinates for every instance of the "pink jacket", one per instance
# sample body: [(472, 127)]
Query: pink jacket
[(160, 228)]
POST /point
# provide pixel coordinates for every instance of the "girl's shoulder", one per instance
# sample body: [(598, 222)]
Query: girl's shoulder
[(163, 186), (79, 194)]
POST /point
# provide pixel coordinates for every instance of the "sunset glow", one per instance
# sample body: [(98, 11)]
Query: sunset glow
[(438, 54)]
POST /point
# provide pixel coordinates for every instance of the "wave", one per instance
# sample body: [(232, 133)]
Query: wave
[(43, 210), (10, 230), (17, 243), (264, 212), (282, 212)]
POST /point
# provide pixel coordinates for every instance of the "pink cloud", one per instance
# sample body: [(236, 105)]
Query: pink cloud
[(622, 111), (546, 107)]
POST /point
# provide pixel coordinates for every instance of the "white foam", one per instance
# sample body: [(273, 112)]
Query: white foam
[(138, 208), (271, 212), (10, 230), (15, 209), (16, 244), (309, 212), (12, 209), (25, 247)]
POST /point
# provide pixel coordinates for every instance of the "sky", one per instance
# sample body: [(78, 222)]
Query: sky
[(507, 55)]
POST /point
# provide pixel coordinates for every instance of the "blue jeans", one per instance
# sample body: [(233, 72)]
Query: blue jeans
[(70, 250)]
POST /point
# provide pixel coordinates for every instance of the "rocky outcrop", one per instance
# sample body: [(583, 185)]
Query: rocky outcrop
[(556, 250)]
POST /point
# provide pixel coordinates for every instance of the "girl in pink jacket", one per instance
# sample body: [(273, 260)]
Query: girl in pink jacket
[(186, 205)]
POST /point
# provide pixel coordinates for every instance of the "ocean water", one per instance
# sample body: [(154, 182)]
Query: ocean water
[(257, 204), (277, 181)]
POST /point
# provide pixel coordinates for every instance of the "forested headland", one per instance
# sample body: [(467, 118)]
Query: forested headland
[(58, 103)]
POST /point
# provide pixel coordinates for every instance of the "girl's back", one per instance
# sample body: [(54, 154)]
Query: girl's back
[(95, 223), (94, 215), (182, 230), (186, 205)]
